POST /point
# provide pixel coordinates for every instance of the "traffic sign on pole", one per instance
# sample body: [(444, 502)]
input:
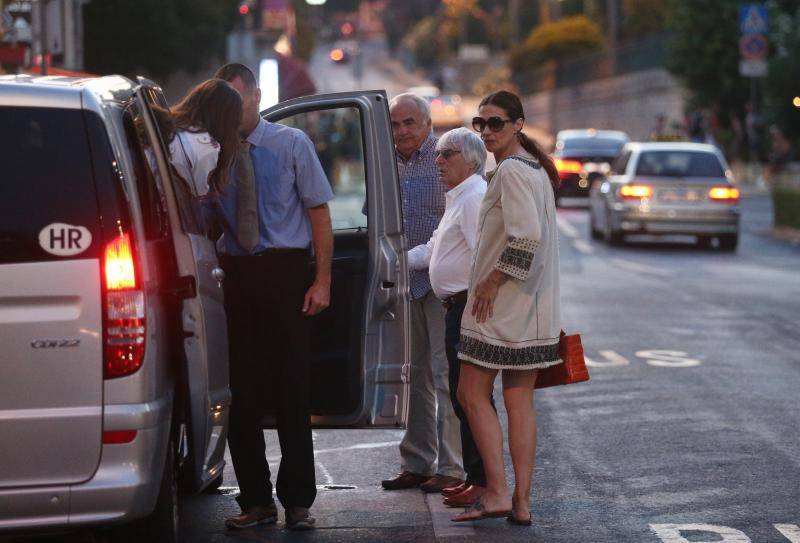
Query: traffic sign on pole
[(753, 19), (753, 46)]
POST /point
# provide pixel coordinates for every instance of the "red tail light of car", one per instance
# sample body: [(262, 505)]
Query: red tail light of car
[(568, 167), (124, 322)]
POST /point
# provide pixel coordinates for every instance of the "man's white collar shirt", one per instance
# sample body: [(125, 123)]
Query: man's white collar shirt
[(448, 254)]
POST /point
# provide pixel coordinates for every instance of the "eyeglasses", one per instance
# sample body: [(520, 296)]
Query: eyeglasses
[(446, 153), (495, 124)]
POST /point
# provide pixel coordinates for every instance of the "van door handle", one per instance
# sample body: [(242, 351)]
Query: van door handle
[(218, 274)]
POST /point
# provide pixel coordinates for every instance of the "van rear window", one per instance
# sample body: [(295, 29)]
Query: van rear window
[(48, 205)]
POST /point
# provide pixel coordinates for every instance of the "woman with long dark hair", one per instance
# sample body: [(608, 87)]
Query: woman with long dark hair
[(512, 319), (206, 135)]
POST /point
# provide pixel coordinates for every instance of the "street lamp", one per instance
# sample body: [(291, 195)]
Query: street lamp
[(796, 101)]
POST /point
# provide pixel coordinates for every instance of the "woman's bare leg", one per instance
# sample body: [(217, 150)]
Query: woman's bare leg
[(518, 398), (475, 387)]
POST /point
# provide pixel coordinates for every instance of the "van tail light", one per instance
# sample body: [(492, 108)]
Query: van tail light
[(116, 437), (568, 167), (724, 194), (124, 324), (636, 191)]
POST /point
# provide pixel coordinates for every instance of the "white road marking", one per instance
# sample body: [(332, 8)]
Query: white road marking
[(566, 227), (668, 359), (613, 359), (583, 246), (377, 445), (789, 531), (325, 473), (441, 516), (640, 268), (671, 533)]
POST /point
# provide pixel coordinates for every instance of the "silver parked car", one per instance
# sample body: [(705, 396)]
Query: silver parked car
[(114, 375), (667, 189)]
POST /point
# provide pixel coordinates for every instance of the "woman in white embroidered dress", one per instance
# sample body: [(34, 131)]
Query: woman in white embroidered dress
[(206, 138), (512, 318)]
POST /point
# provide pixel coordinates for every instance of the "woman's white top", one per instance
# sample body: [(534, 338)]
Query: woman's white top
[(519, 236), (194, 155)]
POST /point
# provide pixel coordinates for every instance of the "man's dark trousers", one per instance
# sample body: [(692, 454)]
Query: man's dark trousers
[(473, 464), (269, 370)]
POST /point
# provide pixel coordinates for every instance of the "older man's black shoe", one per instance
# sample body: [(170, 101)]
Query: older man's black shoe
[(405, 480)]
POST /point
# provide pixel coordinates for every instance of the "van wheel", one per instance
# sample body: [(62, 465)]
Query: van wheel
[(594, 233), (162, 524), (728, 242), (705, 242), (615, 238)]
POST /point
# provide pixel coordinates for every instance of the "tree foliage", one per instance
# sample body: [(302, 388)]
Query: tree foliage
[(704, 52), (784, 70), (643, 17), (156, 37), (565, 38)]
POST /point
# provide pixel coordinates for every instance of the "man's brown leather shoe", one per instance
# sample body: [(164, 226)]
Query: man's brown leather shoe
[(437, 483), (405, 480), (466, 498), (260, 514), (453, 490)]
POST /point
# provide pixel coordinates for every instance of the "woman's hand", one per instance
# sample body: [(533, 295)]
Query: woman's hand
[(485, 294)]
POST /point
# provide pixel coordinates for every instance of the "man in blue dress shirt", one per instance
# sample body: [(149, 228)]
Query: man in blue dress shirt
[(275, 211)]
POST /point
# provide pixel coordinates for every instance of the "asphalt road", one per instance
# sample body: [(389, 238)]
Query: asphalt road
[(690, 419)]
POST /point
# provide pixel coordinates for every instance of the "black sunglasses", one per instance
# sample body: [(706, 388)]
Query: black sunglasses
[(495, 124)]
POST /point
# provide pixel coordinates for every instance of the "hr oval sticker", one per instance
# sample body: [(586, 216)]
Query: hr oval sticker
[(62, 239)]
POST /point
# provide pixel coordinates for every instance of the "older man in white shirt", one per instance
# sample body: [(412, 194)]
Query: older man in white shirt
[(460, 159)]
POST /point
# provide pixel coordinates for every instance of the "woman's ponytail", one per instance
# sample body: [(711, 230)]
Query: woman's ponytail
[(549, 166)]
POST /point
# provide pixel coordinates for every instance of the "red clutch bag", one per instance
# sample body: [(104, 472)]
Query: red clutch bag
[(573, 369)]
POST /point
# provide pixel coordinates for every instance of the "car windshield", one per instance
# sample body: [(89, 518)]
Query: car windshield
[(591, 143), (679, 164)]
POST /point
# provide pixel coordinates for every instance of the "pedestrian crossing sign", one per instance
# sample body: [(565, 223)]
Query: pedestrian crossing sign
[(753, 19)]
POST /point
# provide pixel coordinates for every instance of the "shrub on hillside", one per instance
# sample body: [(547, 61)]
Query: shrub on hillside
[(566, 38)]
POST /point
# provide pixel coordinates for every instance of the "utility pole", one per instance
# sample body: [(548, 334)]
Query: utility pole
[(544, 12), (513, 18), (612, 12), (43, 35)]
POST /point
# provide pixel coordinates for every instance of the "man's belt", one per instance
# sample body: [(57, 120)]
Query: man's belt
[(457, 298)]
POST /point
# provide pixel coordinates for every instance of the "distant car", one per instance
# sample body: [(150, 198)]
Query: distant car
[(429, 92), (666, 189), (446, 109), (447, 112), (581, 155)]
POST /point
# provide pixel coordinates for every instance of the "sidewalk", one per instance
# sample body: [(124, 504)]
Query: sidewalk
[(786, 233)]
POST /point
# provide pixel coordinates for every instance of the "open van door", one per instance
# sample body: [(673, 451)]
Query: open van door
[(360, 343), (204, 329)]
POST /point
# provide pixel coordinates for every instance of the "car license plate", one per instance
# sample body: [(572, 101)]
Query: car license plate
[(679, 195)]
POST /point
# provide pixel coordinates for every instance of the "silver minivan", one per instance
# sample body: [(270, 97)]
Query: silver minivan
[(113, 345)]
